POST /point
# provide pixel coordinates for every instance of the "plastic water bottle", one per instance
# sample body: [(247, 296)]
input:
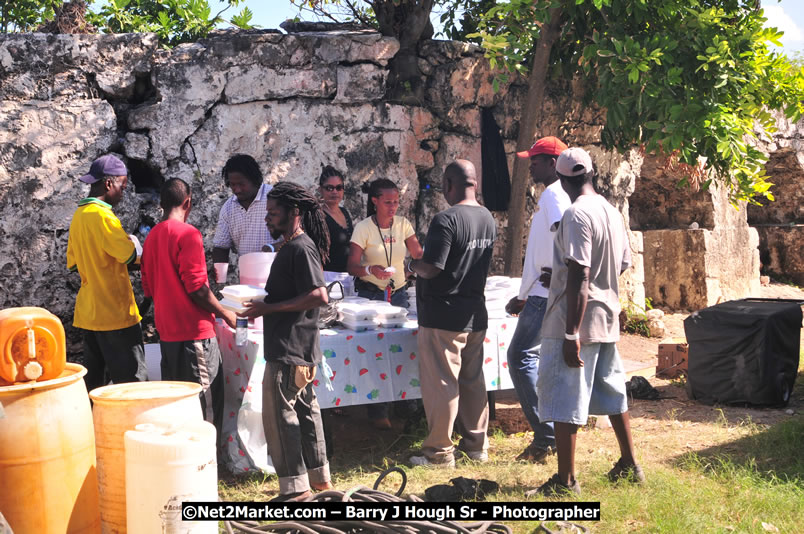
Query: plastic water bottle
[(241, 331)]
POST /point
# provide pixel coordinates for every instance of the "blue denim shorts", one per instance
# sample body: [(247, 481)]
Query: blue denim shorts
[(569, 395)]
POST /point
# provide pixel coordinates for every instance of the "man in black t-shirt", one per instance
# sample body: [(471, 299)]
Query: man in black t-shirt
[(291, 415), (453, 320)]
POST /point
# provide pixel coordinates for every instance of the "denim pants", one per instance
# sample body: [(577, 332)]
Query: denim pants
[(291, 418), (523, 365), (400, 298)]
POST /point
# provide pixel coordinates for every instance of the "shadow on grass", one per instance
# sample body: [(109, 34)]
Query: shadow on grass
[(772, 454)]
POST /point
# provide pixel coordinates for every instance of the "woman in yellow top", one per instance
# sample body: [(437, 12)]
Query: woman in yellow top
[(377, 261), (379, 245)]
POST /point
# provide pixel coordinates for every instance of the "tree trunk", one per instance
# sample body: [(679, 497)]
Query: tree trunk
[(530, 118), (408, 21)]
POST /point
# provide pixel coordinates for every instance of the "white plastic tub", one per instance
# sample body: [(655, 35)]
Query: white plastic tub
[(255, 268)]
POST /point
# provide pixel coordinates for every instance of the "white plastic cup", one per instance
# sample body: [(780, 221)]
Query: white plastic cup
[(220, 272)]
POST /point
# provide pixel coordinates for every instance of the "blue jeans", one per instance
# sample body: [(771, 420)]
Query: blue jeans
[(400, 298), (523, 365)]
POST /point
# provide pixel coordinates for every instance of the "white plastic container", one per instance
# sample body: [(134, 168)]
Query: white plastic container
[(232, 306), (356, 312), (358, 326), (255, 268), (391, 316), (355, 300), (121, 407), (243, 293), (165, 466)]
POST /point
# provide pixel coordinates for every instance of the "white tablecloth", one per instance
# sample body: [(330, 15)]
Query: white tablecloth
[(368, 367)]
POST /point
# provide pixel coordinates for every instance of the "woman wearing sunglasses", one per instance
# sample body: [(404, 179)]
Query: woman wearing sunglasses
[(338, 220)]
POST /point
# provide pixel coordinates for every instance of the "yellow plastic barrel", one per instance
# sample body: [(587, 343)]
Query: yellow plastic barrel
[(121, 407), (48, 482)]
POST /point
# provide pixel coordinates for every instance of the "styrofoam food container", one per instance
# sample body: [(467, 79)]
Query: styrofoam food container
[(358, 326), (355, 300), (232, 305), (243, 293), (386, 313), (357, 312), (397, 322)]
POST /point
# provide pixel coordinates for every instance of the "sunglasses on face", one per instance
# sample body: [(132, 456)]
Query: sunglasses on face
[(331, 188)]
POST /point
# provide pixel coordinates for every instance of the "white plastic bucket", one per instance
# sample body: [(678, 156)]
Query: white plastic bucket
[(165, 466), (255, 268)]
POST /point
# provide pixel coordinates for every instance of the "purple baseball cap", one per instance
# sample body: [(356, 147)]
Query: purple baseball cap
[(107, 165)]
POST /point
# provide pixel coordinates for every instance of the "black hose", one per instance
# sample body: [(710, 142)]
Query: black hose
[(364, 494)]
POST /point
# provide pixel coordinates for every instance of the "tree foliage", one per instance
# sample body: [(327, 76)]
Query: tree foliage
[(175, 21), (694, 80), (25, 15)]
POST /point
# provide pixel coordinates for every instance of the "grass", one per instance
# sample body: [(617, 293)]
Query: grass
[(725, 474)]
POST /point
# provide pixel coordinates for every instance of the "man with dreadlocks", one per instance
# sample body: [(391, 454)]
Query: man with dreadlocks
[(290, 413)]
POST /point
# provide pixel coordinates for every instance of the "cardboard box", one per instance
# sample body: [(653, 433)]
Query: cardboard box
[(673, 358)]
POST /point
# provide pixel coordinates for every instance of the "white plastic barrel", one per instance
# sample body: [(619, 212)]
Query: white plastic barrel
[(165, 466), (255, 268), (121, 407)]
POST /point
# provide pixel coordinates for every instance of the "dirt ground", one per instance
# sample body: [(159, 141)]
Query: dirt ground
[(672, 408)]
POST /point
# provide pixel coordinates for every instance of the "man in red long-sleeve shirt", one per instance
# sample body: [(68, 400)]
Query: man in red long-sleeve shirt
[(174, 274)]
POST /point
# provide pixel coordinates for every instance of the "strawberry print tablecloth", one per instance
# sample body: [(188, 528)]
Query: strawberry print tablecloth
[(367, 367)]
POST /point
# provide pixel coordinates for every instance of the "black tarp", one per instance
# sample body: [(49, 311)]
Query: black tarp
[(744, 351)]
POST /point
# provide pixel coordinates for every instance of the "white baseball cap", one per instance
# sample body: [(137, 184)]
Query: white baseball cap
[(574, 161)]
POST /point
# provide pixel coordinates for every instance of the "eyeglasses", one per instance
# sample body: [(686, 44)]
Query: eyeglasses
[(331, 188)]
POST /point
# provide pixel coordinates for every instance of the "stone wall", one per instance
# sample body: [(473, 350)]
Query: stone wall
[(698, 248), (781, 223), (296, 102)]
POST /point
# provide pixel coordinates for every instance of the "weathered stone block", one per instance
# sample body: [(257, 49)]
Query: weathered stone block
[(137, 146), (786, 171), (360, 83), (693, 269), (253, 82), (675, 269), (44, 66), (781, 251)]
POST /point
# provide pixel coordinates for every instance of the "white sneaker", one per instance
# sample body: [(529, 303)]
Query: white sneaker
[(424, 460)]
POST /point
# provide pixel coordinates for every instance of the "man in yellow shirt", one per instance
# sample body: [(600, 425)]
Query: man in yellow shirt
[(99, 249)]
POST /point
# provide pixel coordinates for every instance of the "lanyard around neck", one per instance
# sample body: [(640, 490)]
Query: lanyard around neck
[(388, 255)]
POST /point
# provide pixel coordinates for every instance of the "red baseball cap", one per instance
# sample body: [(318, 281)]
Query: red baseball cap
[(552, 146)]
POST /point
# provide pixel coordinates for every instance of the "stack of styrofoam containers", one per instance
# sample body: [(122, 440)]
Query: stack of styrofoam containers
[(499, 290), (235, 296), (357, 316), (389, 316), (412, 308)]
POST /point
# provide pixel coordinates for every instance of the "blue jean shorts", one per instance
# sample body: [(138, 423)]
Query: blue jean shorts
[(569, 395)]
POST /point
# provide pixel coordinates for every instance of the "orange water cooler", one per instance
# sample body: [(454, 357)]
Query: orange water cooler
[(32, 345)]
